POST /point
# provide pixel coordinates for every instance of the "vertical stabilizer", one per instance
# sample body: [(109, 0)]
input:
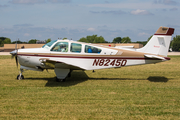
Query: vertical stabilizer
[(159, 43)]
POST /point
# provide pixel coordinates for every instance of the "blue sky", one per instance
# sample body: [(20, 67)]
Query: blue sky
[(74, 19)]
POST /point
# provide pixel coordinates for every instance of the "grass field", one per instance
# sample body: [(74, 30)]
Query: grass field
[(137, 92)]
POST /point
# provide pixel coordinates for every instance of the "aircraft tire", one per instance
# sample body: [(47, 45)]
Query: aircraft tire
[(60, 80), (20, 77), (69, 74)]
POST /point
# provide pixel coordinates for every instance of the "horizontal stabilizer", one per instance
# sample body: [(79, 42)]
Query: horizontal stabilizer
[(157, 57)]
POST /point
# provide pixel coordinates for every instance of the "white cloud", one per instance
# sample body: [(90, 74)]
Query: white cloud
[(166, 2), (26, 34), (143, 34), (1, 6), (39, 35), (140, 12), (119, 5), (132, 5), (59, 1), (118, 12), (91, 29), (38, 1), (23, 25), (174, 9), (26, 1)]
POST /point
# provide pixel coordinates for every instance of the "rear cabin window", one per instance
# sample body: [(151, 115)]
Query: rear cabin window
[(90, 49), (75, 47), (60, 47)]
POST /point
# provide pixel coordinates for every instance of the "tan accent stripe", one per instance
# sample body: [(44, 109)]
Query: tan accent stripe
[(162, 30)]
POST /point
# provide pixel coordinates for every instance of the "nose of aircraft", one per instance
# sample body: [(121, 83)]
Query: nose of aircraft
[(14, 54)]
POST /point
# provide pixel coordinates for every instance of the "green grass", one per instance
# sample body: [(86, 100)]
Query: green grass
[(137, 92)]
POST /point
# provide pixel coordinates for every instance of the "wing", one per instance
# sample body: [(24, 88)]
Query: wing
[(51, 63)]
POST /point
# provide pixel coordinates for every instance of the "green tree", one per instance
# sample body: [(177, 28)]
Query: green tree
[(99, 40), (4, 40), (175, 44), (7, 41), (149, 38), (92, 39), (64, 38), (144, 42), (117, 40), (18, 41), (48, 40), (83, 39), (32, 41), (126, 40)]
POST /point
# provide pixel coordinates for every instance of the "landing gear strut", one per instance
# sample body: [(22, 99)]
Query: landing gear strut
[(20, 76), (61, 74)]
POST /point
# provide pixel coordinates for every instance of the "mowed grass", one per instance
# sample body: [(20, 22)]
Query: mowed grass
[(138, 92)]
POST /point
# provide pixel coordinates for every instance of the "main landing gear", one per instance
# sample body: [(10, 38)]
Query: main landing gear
[(61, 74), (60, 80), (20, 76)]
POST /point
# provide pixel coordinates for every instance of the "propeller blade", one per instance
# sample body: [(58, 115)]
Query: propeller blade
[(16, 61), (14, 54), (16, 46)]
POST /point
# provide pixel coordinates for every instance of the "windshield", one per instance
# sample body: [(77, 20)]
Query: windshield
[(49, 44)]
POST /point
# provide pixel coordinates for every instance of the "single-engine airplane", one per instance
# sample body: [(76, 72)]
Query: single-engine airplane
[(64, 56)]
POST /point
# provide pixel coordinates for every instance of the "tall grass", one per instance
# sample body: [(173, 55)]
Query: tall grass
[(137, 92)]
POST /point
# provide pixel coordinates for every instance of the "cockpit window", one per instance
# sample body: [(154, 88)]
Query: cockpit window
[(60, 47), (49, 44), (91, 49), (75, 47)]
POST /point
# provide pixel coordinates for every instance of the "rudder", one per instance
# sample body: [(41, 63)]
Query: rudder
[(159, 43)]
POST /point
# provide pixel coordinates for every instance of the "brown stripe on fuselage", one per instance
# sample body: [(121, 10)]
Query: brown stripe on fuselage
[(124, 53), (121, 54), (129, 55)]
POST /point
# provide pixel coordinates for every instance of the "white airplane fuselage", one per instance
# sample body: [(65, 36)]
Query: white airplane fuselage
[(65, 56), (108, 58)]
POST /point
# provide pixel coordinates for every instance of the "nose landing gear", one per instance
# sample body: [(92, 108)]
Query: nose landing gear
[(20, 76)]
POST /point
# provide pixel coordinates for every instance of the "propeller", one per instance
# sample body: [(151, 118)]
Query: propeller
[(14, 54)]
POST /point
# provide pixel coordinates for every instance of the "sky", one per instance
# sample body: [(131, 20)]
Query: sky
[(74, 19)]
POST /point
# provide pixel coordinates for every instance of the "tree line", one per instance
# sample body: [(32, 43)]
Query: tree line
[(175, 43), (5, 40)]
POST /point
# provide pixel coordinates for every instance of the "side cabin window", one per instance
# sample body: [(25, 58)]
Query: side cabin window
[(91, 49), (75, 47), (60, 47)]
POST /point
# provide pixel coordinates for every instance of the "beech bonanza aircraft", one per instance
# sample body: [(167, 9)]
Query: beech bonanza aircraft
[(64, 56)]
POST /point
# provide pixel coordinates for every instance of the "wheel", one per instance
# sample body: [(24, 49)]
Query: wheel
[(57, 80), (69, 74), (20, 77), (60, 80)]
